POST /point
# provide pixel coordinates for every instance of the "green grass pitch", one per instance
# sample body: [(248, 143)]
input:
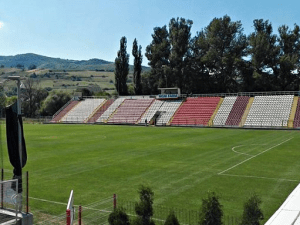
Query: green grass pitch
[(179, 164)]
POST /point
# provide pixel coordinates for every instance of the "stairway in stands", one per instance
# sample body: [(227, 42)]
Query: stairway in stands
[(297, 115), (237, 111), (130, 111), (100, 111)]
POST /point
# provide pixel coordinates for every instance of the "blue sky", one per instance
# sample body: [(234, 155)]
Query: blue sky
[(85, 29)]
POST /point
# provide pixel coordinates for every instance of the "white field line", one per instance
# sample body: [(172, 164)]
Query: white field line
[(254, 156), (233, 149), (240, 152), (62, 203), (267, 178), (45, 200)]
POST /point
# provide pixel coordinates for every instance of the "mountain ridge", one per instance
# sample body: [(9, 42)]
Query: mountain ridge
[(46, 62)]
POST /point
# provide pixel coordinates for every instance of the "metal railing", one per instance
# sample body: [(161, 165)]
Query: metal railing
[(250, 94)]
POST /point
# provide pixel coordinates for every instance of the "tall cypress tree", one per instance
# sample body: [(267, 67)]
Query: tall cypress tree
[(122, 68), (138, 58)]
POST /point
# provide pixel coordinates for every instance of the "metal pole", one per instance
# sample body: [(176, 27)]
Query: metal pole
[(27, 192), (20, 195), (2, 178), (68, 212), (115, 201), (79, 215), (19, 124)]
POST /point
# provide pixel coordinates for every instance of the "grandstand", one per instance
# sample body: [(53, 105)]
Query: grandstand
[(224, 111), (151, 111), (100, 111), (297, 115), (130, 111), (63, 111), (262, 110), (196, 111), (237, 111), (166, 111), (104, 117), (270, 111), (81, 112)]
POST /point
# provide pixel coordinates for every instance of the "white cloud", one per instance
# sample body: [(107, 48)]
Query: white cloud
[(1, 24)]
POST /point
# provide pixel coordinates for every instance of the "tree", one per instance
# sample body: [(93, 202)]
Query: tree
[(286, 73), (138, 58), (54, 102), (226, 46), (148, 84), (264, 53), (168, 51), (31, 67), (122, 68), (32, 96), (252, 213), (179, 37), (11, 100), (158, 53), (144, 209), (171, 219), (197, 75), (20, 66), (211, 210), (2, 101), (118, 217), (86, 92)]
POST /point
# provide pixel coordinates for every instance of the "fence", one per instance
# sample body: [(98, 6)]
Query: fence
[(251, 94), (269, 124), (9, 201), (184, 216), (52, 212), (97, 212), (8, 175)]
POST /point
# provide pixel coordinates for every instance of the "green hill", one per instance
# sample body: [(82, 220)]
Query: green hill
[(44, 62), (52, 63)]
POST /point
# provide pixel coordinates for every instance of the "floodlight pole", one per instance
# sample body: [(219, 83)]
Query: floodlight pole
[(19, 123)]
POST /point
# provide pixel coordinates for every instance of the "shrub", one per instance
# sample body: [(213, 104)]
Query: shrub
[(31, 67), (211, 210), (144, 209), (171, 219), (118, 217), (252, 213), (54, 102)]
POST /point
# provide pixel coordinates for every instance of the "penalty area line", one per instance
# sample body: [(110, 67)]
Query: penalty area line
[(255, 156), (257, 177)]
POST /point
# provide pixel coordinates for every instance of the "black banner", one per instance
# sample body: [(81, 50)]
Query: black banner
[(12, 136)]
